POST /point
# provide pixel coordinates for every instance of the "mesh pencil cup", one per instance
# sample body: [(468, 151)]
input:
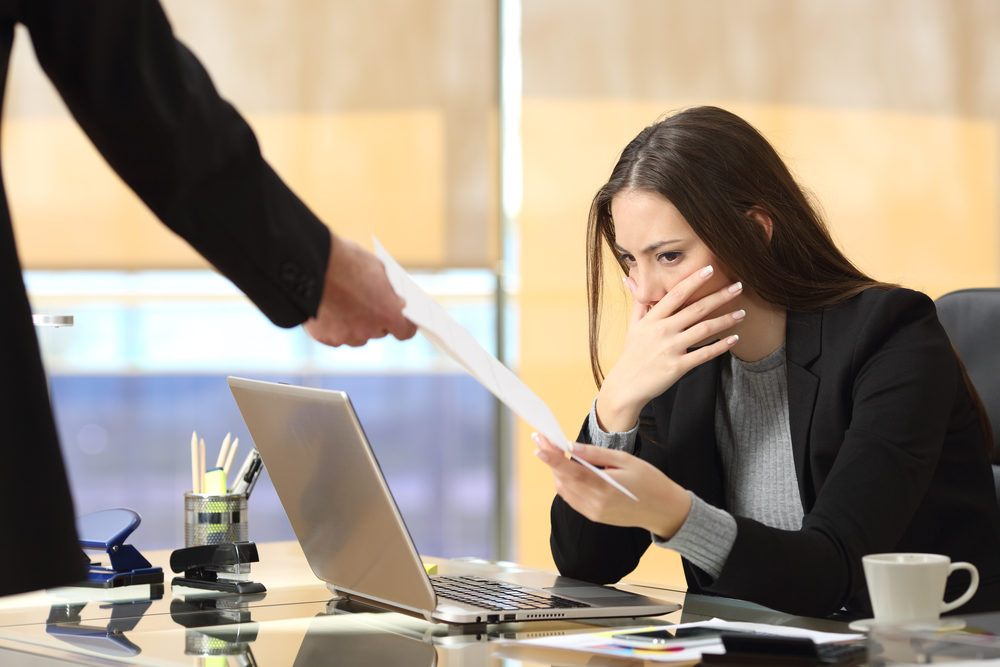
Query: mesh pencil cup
[(215, 649), (215, 518)]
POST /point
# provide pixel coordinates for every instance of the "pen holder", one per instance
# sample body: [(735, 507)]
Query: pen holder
[(203, 644), (215, 518)]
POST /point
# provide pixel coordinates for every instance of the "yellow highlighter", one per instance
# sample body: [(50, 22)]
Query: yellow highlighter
[(215, 482), (215, 485)]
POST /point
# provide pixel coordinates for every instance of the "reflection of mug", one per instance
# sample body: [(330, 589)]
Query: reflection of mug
[(909, 588)]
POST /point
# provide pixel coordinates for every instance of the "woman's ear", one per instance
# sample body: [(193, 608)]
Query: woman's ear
[(762, 218)]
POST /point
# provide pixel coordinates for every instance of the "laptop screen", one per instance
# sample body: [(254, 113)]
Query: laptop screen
[(333, 492)]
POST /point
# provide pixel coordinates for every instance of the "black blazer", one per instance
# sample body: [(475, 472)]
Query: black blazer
[(888, 453), (152, 111)]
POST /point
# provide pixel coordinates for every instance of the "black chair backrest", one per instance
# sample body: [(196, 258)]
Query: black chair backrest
[(972, 319)]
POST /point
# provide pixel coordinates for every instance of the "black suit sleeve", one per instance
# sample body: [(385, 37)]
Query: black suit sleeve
[(152, 111), (591, 551)]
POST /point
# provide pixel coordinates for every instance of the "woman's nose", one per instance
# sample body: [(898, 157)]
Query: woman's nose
[(648, 292)]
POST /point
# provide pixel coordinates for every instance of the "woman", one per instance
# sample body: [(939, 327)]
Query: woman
[(777, 412)]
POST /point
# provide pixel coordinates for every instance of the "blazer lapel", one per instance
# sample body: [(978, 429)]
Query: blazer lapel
[(692, 456), (694, 459), (803, 345)]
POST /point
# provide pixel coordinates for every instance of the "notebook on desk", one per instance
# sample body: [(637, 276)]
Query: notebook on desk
[(353, 535)]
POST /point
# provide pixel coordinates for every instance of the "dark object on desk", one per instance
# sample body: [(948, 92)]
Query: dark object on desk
[(202, 565), (749, 649), (667, 637), (107, 530)]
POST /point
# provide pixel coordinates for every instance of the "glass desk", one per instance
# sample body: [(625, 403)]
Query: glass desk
[(298, 621)]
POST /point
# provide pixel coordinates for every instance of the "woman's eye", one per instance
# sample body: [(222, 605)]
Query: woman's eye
[(626, 260), (670, 257)]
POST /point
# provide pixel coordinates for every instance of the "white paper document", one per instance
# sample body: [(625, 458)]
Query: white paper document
[(452, 338), (602, 643)]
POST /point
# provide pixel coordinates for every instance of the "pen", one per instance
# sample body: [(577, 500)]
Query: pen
[(253, 475), (244, 475)]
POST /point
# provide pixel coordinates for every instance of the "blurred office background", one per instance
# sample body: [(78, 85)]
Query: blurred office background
[(469, 137)]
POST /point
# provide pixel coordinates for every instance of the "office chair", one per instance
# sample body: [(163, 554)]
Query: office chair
[(971, 317)]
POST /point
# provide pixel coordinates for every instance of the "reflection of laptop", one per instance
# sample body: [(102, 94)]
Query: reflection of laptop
[(353, 535), (354, 645)]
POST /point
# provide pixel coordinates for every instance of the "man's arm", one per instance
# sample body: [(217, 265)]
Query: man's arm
[(153, 112)]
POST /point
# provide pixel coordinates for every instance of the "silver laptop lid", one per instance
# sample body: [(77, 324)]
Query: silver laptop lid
[(339, 506)]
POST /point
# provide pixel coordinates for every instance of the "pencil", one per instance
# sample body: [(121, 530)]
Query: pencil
[(194, 463), (201, 465), (222, 452), (230, 456)]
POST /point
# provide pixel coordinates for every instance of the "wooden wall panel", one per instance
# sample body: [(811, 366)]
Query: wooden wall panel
[(385, 110)]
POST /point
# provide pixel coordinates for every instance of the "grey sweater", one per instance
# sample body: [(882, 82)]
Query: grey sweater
[(754, 441)]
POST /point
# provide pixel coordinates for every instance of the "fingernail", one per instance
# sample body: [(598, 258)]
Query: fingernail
[(534, 436), (735, 287), (706, 272), (569, 446), (542, 456), (739, 314), (732, 339)]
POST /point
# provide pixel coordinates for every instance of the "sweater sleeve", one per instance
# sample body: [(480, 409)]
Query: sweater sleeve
[(623, 440), (705, 538)]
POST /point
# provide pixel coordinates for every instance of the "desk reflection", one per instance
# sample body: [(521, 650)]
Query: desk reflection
[(357, 648), (65, 622), (300, 621), (217, 626)]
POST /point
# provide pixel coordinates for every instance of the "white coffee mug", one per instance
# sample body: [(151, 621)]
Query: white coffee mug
[(909, 587)]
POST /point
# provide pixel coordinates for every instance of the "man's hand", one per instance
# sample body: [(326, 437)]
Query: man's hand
[(358, 302)]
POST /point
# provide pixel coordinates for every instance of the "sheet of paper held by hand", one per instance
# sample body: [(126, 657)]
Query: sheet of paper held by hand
[(454, 340)]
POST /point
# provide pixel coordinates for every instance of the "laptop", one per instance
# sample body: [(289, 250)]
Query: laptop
[(353, 535)]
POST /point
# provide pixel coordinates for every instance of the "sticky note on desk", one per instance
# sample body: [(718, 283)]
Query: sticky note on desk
[(431, 568)]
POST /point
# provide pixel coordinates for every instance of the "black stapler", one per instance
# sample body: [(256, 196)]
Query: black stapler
[(203, 564)]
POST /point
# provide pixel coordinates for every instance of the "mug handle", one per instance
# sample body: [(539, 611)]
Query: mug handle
[(970, 591)]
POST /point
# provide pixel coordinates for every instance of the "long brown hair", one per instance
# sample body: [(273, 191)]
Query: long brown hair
[(714, 167)]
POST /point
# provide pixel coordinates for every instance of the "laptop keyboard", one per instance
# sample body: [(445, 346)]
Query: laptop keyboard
[(497, 595)]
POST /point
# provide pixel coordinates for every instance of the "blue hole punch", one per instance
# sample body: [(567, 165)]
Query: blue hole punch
[(107, 530)]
